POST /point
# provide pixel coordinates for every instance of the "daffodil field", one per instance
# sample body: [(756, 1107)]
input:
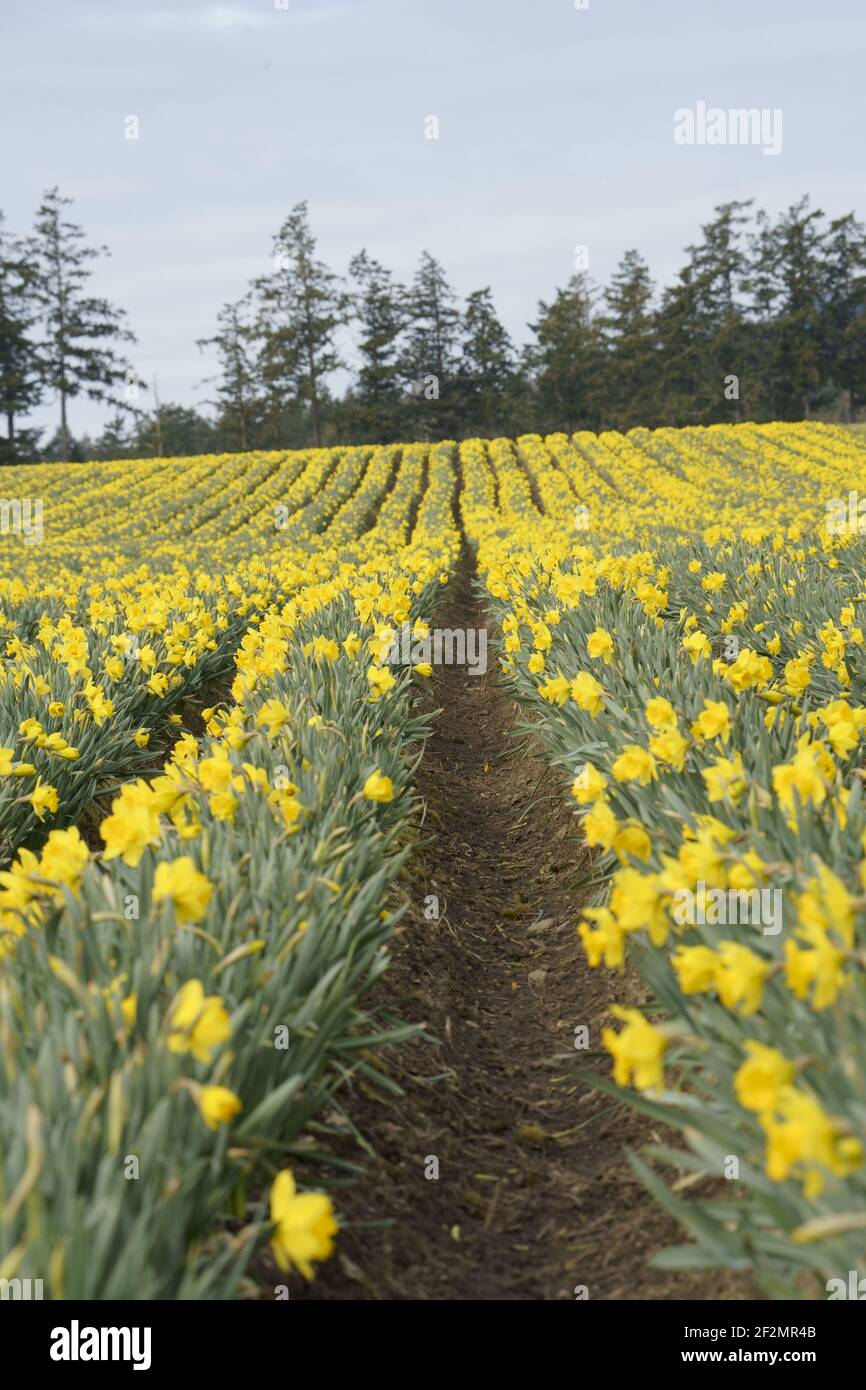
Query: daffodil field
[(209, 775), (695, 661), (176, 1008)]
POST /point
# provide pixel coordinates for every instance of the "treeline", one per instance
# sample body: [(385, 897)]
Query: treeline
[(765, 320)]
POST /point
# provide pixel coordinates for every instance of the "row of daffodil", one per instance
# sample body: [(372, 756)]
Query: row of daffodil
[(96, 667), (703, 690), (177, 1008)]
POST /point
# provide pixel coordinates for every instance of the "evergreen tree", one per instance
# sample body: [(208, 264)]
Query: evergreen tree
[(719, 274), (380, 312), (567, 360), (430, 362), (632, 358), (116, 440), (80, 330), (787, 283), (175, 431), (845, 309), (237, 400), (20, 385), (301, 309), (488, 377), (683, 396)]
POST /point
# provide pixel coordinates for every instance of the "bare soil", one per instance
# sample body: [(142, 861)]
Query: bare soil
[(534, 1198)]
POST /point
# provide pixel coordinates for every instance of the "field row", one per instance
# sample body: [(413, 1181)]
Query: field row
[(182, 991), (696, 669)]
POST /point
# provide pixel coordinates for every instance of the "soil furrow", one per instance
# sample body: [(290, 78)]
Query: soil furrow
[(534, 1198)]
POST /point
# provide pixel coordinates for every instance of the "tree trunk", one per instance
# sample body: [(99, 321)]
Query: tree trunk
[(314, 419), (64, 428), (314, 396)]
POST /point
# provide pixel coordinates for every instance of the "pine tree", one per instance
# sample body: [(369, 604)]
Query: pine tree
[(116, 440), (20, 385), (845, 309), (682, 353), (488, 379), (380, 311), (431, 358), (80, 330), (301, 308), (632, 358), (719, 273), (567, 360), (787, 283), (174, 431), (237, 400)]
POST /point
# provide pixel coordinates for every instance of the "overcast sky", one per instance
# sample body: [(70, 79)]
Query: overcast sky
[(556, 129)]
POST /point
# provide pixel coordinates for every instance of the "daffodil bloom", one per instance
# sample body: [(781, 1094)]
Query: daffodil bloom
[(188, 889), (132, 825), (378, 787), (217, 772), (63, 859), (635, 764), (695, 968), (599, 644), (803, 1141), (714, 721), (762, 1076), (740, 978), (637, 1050), (556, 690), (197, 1023), (669, 747), (43, 798), (725, 779), (827, 905), (273, 715), (305, 1225), (697, 645), (605, 941), (218, 1105), (632, 840), (802, 776), (587, 693), (588, 785), (600, 825), (660, 713), (381, 681)]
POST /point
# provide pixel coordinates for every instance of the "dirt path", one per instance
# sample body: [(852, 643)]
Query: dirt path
[(533, 1196)]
